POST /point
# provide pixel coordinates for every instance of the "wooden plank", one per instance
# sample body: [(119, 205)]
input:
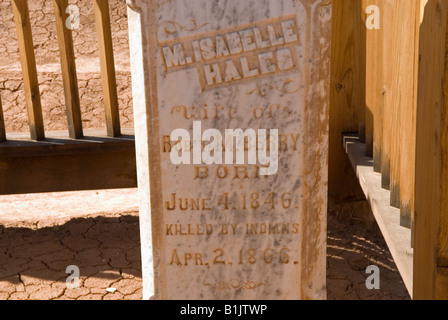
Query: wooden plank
[(58, 143), (359, 34), (63, 164), (344, 188), (369, 118), (102, 20), (409, 65), (442, 284), (2, 123), (69, 77), (57, 147), (395, 155), (58, 173), (397, 93), (28, 62), (440, 126), (389, 64), (374, 89), (400, 110), (431, 174), (419, 18), (398, 239)]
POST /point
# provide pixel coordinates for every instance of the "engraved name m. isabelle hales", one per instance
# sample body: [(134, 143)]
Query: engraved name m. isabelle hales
[(236, 53)]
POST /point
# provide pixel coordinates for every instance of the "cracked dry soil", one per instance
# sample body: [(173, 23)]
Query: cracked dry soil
[(34, 255), (106, 250)]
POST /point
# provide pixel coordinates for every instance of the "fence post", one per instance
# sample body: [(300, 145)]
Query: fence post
[(431, 173), (2, 123), (374, 87), (347, 106), (28, 61), (68, 66), (102, 20), (389, 17), (392, 110), (408, 77)]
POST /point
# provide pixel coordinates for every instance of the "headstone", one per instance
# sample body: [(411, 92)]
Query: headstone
[(231, 104)]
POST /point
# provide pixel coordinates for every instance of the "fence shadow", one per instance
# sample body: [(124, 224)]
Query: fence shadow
[(107, 249), (103, 248), (351, 248)]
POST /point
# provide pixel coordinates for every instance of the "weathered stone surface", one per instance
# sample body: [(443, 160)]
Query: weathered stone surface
[(229, 230)]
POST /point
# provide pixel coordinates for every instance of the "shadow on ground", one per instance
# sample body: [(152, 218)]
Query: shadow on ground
[(350, 250), (107, 252)]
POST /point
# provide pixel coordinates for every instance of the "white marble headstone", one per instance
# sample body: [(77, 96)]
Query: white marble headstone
[(213, 225)]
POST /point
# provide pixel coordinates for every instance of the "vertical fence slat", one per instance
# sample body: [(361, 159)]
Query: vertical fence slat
[(403, 111), (408, 60), (343, 184), (431, 179), (102, 20), (359, 34), (389, 65), (28, 62), (395, 152), (2, 123), (395, 160), (374, 99), (68, 65), (395, 110), (369, 118), (419, 19)]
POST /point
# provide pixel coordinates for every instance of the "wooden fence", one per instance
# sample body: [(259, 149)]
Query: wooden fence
[(68, 66), (389, 87), (76, 161)]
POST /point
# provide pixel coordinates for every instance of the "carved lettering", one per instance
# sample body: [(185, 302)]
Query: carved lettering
[(245, 50)]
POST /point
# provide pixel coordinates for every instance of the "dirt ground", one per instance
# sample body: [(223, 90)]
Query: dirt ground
[(98, 231)]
